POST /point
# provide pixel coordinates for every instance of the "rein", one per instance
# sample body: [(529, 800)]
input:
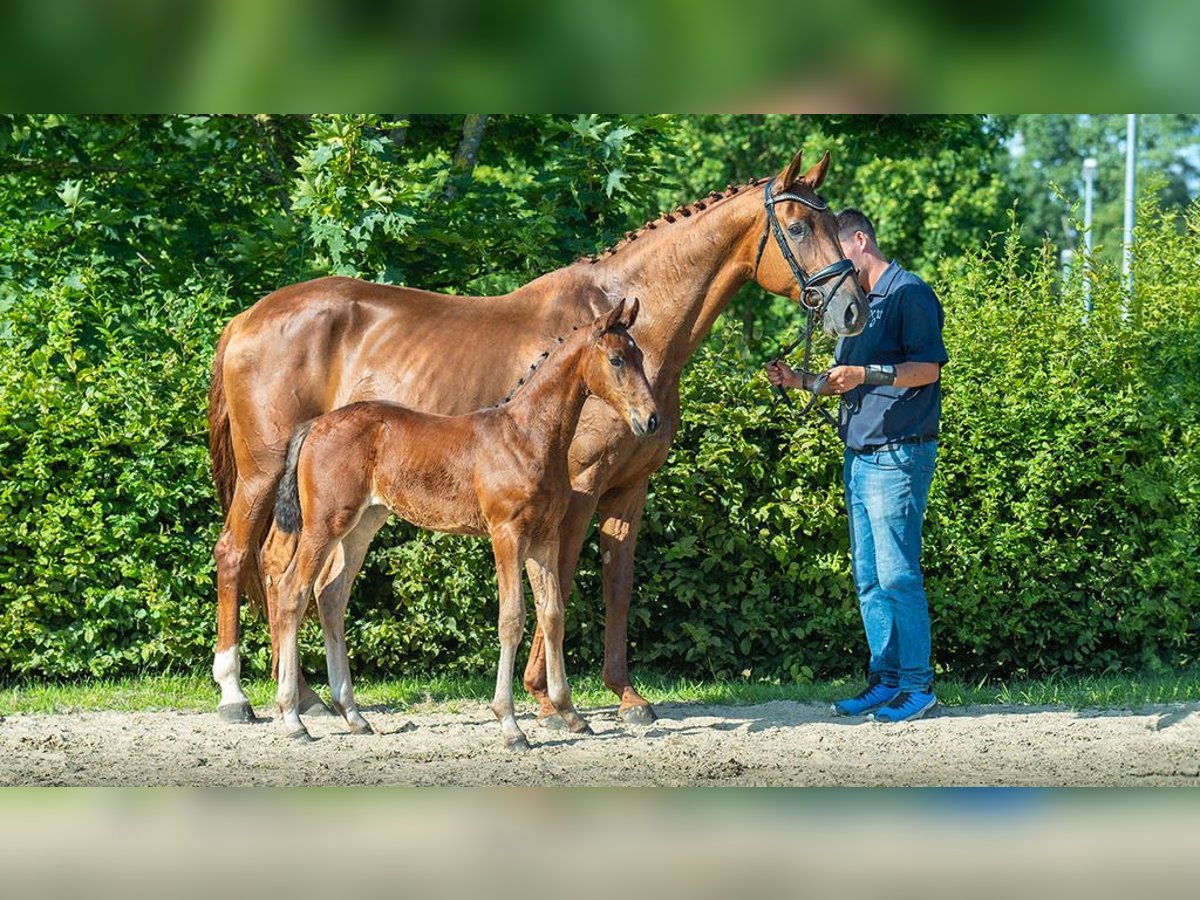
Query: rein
[(810, 285), (815, 380)]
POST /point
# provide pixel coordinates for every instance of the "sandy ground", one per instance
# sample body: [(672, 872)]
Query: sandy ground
[(773, 744)]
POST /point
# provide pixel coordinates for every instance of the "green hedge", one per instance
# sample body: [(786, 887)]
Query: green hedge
[(1061, 535)]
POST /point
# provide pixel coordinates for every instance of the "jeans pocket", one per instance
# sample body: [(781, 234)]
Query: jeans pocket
[(898, 458)]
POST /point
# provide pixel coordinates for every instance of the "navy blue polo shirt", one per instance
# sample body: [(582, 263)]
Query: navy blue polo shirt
[(904, 325)]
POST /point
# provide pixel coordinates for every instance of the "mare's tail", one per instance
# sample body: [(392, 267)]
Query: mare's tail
[(288, 518), (224, 465), (220, 442)]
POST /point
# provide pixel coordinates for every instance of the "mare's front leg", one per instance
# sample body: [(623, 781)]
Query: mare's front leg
[(333, 593), (542, 566), (620, 519), (508, 550)]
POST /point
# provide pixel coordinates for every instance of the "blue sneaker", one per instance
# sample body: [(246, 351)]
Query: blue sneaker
[(906, 705), (875, 695)]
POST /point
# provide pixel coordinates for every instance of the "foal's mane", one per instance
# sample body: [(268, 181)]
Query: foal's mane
[(685, 211), (542, 357)]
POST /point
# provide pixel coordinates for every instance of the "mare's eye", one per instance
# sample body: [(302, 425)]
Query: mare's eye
[(798, 229), (616, 361)]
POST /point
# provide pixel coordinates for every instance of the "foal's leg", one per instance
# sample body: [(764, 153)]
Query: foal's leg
[(542, 566), (507, 548), (333, 593), (571, 533), (294, 591)]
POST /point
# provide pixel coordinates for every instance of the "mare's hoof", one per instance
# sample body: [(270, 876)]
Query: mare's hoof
[(553, 721), (237, 713), (638, 715), (302, 736), (315, 706), (518, 745)]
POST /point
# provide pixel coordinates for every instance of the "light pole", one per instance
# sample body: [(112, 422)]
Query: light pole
[(1089, 180), (1130, 178)]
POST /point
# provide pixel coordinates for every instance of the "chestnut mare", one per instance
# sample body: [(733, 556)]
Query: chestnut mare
[(313, 347), (500, 471)]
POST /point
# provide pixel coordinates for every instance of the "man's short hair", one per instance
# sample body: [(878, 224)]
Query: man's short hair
[(852, 220)]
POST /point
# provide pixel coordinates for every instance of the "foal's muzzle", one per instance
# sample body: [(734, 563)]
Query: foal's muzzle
[(643, 427)]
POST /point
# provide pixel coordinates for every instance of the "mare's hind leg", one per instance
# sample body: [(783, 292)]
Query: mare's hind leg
[(620, 519), (542, 566), (506, 545), (333, 593), (236, 559)]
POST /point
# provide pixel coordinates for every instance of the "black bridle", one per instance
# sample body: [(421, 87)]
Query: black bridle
[(810, 285)]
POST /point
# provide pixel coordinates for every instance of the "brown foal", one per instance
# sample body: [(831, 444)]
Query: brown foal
[(501, 471)]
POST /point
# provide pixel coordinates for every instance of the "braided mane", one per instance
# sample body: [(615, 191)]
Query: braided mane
[(669, 218)]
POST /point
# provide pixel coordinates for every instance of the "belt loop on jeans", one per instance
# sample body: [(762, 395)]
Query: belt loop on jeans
[(892, 445)]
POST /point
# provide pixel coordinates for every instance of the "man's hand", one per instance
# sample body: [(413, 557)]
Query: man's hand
[(841, 379), (780, 375)]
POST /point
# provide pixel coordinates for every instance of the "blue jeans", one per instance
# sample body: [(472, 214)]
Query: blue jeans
[(886, 494)]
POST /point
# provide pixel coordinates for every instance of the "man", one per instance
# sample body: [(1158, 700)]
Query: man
[(888, 381)]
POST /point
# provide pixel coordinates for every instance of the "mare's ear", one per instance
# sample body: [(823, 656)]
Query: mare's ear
[(631, 316), (813, 177), (788, 175), (612, 319)]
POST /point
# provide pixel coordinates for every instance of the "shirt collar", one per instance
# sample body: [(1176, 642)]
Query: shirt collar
[(884, 284)]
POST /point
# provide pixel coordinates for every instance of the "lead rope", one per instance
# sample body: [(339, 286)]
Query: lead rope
[(817, 378)]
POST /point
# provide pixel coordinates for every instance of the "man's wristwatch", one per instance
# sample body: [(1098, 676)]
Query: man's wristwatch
[(880, 374)]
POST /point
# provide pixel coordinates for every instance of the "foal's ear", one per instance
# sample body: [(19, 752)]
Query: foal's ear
[(631, 315), (613, 319)]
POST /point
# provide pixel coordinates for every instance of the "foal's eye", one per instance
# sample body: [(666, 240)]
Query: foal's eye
[(616, 361), (798, 229)]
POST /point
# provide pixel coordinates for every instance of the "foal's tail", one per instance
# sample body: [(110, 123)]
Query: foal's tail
[(288, 518)]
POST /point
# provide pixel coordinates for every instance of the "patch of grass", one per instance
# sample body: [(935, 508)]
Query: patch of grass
[(198, 693)]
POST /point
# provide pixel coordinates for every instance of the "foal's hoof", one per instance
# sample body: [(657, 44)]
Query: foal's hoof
[(237, 713), (361, 727), (302, 736), (315, 706), (553, 721), (582, 728), (517, 745), (638, 715)]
